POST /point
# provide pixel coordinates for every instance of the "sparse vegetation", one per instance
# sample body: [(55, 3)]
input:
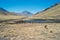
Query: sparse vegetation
[(30, 31), (13, 27)]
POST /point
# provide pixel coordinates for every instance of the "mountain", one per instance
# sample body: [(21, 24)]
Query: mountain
[(26, 13), (6, 15), (3, 11), (52, 12)]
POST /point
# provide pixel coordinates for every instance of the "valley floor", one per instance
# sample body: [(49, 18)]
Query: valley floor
[(30, 31)]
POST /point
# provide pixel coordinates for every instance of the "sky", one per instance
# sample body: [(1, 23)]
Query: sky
[(33, 6)]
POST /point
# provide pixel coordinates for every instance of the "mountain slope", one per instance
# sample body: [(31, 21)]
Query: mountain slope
[(5, 15), (52, 12), (26, 13), (3, 11)]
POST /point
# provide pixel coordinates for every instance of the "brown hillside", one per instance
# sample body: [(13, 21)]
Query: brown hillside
[(52, 12)]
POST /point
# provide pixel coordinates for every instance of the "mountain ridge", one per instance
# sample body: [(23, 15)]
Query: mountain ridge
[(52, 12), (24, 13)]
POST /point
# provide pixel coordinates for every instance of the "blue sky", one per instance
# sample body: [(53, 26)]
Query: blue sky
[(26, 5)]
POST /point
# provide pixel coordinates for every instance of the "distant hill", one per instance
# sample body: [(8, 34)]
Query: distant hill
[(26, 13), (6, 15), (1, 9), (52, 12), (5, 12)]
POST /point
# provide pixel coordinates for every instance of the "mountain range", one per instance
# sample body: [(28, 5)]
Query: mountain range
[(52, 12), (5, 12), (26, 13)]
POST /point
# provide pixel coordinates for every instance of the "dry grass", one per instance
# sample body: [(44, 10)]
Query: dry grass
[(30, 31), (52, 13), (7, 17)]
